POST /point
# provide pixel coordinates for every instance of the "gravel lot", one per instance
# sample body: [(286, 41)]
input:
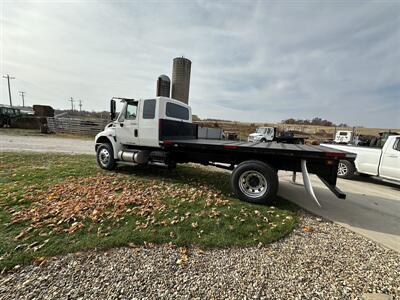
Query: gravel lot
[(319, 260)]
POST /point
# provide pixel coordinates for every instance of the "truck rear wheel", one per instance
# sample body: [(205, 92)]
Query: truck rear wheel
[(255, 182), (105, 157), (345, 169)]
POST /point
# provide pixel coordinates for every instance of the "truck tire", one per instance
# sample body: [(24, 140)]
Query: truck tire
[(345, 169), (263, 140), (105, 157), (255, 182)]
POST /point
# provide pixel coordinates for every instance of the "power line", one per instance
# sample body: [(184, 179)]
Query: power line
[(23, 98), (9, 89), (72, 103)]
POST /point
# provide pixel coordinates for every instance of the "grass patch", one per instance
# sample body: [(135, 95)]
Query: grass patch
[(52, 204)]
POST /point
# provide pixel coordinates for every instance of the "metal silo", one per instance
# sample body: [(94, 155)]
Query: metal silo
[(163, 86), (181, 79)]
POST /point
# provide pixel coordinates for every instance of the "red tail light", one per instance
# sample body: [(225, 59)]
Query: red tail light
[(230, 146), (335, 154)]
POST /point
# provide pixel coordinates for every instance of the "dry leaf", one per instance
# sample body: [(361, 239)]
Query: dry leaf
[(195, 225), (39, 260), (184, 258)]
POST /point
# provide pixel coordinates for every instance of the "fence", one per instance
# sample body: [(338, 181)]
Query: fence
[(76, 126)]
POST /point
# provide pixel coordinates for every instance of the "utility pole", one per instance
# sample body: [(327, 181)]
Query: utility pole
[(72, 103), (80, 106), (23, 98), (9, 89)]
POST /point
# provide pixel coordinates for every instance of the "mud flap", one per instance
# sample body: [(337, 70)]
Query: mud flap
[(307, 182)]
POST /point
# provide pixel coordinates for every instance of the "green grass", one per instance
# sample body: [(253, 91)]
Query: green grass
[(197, 198)]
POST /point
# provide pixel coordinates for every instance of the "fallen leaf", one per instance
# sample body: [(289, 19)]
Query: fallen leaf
[(39, 260), (195, 225), (184, 258), (23, 232)]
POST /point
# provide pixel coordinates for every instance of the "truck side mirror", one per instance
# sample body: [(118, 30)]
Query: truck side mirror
[(112, 109)]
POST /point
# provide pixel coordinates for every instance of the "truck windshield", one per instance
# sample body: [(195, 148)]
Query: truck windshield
[(261, 130)]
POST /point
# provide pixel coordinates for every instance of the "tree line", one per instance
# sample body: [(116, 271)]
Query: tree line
[(314, 121)]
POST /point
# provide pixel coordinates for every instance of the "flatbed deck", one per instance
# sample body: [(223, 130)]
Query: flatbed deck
[(273, 148)]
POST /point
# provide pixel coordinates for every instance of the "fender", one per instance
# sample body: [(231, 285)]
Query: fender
[(108, 136)]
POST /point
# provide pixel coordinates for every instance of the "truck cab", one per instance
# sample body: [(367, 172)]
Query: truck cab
[(271, 134), (262, 134), (138, 122), (142, 126)]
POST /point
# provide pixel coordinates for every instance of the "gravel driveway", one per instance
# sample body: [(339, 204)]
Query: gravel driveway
[(45, 143), (319, 260)]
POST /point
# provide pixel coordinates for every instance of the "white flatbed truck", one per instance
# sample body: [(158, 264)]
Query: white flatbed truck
[(271, 134), (160, 131)]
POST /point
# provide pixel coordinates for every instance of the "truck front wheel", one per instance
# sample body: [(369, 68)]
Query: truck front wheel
[(345, 169), (105, 157), (254, 181)]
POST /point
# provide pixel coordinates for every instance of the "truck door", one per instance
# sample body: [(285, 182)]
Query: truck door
[(390, 162), (269, 134), (127, 129)]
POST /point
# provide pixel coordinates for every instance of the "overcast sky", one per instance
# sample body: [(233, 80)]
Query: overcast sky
[(251, 61)]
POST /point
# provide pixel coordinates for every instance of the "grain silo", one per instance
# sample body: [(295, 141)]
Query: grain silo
[(181, 79), (163, 86)]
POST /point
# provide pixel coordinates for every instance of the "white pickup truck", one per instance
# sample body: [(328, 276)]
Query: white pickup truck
[(383, 163)]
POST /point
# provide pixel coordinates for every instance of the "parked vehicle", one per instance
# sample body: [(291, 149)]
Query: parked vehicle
[(344, 137), (160, 132), (269, 134), (380, 140), (7, 113), (384, 163), (347, 137)]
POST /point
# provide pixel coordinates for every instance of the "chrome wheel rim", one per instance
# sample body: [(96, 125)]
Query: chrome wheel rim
[(253, 184), (104, 157), (342, 169)]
